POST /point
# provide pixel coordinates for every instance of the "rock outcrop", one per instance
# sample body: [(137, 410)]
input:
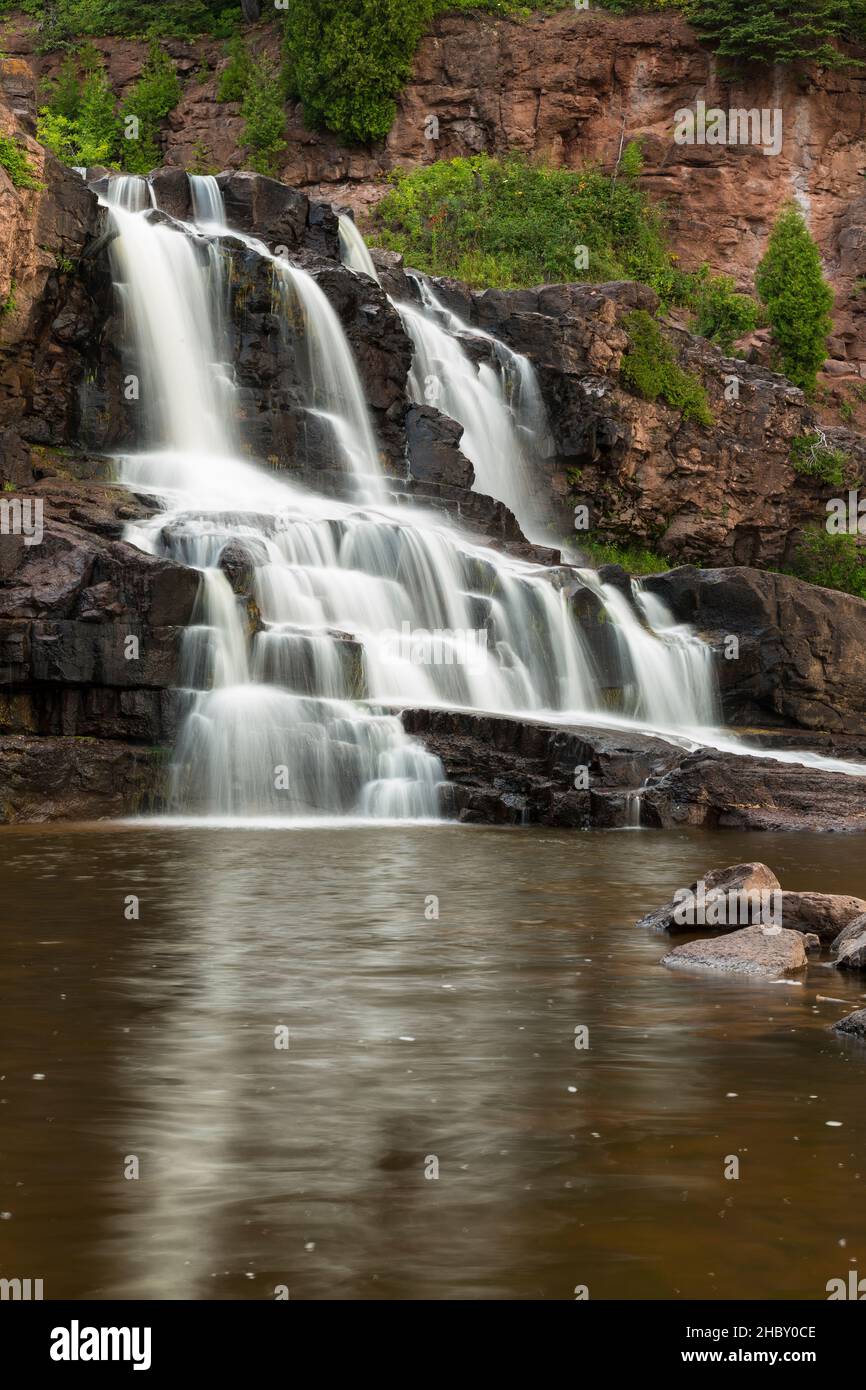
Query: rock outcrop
[(800, 654), (730, 791), (567, 88), (725, 494), (513, 770)]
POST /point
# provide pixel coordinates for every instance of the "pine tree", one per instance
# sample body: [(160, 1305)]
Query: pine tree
[(798, 299), (777, 31)]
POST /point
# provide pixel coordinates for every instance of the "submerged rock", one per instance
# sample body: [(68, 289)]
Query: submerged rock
[(765, 951), (737, 879), (852, 1025)]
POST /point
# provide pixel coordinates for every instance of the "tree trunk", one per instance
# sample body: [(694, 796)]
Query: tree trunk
[(252, 9)]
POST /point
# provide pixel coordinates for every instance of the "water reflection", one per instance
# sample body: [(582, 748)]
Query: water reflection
[(410, 1040)]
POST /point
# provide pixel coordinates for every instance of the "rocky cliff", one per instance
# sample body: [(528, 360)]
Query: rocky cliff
[(569, 87), (90, 627)]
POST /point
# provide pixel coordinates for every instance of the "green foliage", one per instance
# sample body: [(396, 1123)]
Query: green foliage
[(64, 22), (632, 558), (235, 78), (777, 31), (508, 223), (264, 116), (348, 59), (154, 95), (63, 95), (519, 9), (97, 123), (721, 314), (650, 368), (790, 282), (17, 165), (202, 159), (80, 122), (641, 6), (833, 561), (10, 303), (812, 457)]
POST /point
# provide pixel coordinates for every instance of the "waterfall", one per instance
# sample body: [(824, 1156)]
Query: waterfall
[(318, 618), (668, 674), (354, 252)]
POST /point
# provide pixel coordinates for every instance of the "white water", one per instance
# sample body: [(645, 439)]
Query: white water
[(288, 692)]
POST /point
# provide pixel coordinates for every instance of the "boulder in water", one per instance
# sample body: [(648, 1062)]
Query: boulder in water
[(852, 1025), (825, 914), (854, 928), (727, 887), (763, 951), (850, 946)]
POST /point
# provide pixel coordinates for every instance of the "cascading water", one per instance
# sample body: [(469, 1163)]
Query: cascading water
[(504, 422), (667, 672), (343, 609)]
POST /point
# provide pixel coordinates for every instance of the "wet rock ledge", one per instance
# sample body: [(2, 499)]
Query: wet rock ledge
[(511, 771)]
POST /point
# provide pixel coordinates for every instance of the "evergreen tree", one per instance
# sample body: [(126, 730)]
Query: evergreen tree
[(798, 299), (348, 59), (777, 31)]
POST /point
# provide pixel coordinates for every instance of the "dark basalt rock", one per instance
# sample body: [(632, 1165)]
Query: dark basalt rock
[(802, 649), (852, 1025), (279, 216), (69, 608), (79, 778), (514, 771), (173, 193), (433, 448), (726, 790)]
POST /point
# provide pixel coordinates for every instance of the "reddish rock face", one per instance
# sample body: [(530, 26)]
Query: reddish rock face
[(570, 88)]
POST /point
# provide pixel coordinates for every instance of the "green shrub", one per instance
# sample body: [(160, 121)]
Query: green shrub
[(62, 97), (10, 303), (154, 95), (80, 122), (790, 282), (58, 134), (833, 561), (508, 223), (97, 122), (505, 8), (348, 59), (777, 31), (264, 116), (650, 368), (235, 77), (62, 22), (632, 558), (812, 457), (17, 165), (721, 314)]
